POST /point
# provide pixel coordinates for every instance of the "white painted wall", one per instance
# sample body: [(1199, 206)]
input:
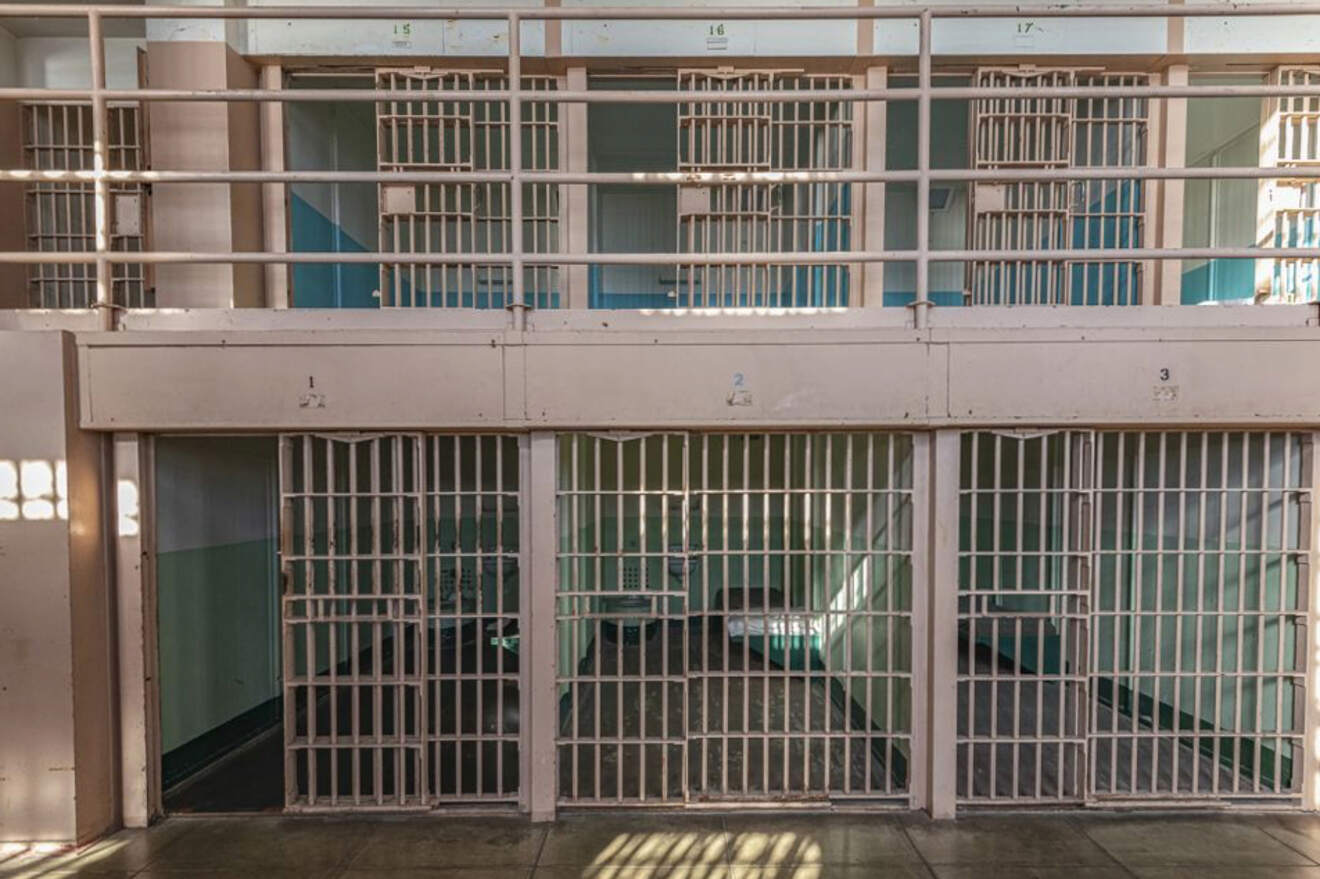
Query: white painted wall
[(64, 62), (336, 137), (390, 36)]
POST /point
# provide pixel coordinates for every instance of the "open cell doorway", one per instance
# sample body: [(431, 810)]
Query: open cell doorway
[(217, 597)]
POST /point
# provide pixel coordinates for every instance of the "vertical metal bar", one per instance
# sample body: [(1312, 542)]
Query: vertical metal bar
[(515, 158), (941, 625), (922, 303), (100, 165)]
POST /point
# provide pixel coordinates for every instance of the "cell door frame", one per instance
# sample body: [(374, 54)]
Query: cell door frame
[(1101, 501), (916, 668)]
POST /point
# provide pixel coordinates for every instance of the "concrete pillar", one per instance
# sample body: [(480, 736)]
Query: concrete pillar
[(13, 236), (58, 760), (205, 136), (1173, 154)]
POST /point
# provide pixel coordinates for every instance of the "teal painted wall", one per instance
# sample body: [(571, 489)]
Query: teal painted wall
[(1221, 132), (217, 581), (948, 226), (333, 217)]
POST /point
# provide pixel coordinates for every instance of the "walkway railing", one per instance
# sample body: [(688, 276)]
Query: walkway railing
[(516, 257)]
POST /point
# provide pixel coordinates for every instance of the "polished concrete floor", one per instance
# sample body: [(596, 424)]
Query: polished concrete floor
[(622, 845)]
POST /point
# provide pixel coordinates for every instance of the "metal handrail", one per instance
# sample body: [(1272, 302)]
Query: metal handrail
[(924, 93)]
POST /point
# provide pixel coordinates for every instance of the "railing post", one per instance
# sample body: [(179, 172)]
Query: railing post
[(515, 158), (100, 165), (922, 303)]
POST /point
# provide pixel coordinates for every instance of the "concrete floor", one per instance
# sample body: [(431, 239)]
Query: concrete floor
[(742, 846)]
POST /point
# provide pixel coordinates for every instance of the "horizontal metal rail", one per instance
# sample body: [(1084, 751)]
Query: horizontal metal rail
[(648, 96), (778, 257), (652, 178)]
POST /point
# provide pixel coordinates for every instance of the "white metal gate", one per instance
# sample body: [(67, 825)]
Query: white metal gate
[(400, 619), (1291, 206), (1044, 133), (726, 135), (460, 221), (61, 217), (734, 617), (1131, 616)]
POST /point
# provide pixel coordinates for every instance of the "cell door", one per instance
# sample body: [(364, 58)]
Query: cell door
[(1023, 605), (353, 616), (1049, 132), (726, 135), (622, 618), (734, 617), (459, 222), (61, 217), (801, 617)]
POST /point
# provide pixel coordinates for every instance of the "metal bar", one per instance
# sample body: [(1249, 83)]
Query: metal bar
[(667, 259), (650, 178), (515, 160), (922, 303), (633, 13), (100, 164), (650, 96)]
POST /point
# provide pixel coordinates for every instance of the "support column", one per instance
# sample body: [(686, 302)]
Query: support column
[(204, 136), (274, 223), (942, 632), (540, 778), (575, 200), (58, 740), (871, 149), (1270, 196), (1310, 580), (13, 234), (1173, 154), (136, 611)]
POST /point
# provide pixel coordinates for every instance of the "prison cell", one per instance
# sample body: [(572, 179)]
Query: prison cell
[(400, 619), (734, 617), (1294, 201), (725, 134), (1131, 616), (61, 216), (461, 221), (1048, 132)]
